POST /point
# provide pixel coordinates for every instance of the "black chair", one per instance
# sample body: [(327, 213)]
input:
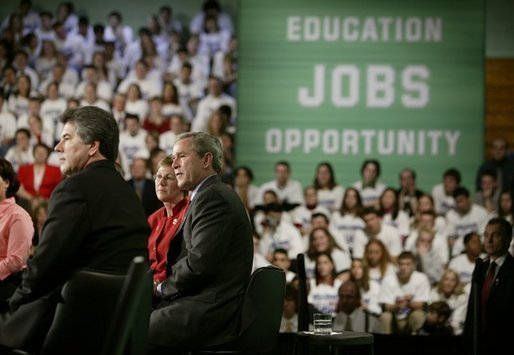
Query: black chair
[(260, 316), (103, 313)]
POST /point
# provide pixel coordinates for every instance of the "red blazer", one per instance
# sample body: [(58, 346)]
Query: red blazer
[(51, 178)]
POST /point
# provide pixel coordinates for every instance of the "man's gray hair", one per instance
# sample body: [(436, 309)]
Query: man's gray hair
[(205, 143), (94, 124)]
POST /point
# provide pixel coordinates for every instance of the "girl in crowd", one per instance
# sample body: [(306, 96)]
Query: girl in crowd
[(347, 220), (323, 293), (369, 187), (370, 289), (426, 203), (321, 241), (452, 291), (18, 103), (170, 100), (377, 258), (330, 194), (391, 213)]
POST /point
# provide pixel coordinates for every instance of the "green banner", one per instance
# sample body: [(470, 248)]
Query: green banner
[(342, 81)]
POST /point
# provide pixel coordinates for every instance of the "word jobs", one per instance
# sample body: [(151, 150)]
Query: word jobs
[(382, 89)]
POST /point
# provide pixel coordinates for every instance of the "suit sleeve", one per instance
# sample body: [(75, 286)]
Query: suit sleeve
[(53, 261), (212, 226)]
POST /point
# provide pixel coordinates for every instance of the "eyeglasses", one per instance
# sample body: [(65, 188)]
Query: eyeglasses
[(166, 178)]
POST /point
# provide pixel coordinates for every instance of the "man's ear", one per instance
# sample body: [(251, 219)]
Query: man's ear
[(94, 148), (207, 160)]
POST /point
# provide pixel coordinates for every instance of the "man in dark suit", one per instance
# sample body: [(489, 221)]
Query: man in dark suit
[(144, 187), (491, 303), (95, 220), (203, 293)]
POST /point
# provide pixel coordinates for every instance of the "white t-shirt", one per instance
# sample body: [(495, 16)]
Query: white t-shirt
[(324, 297), (331, 199), (347, 227), (132, 147), (418, 287), (463, 266), (442, 202), (439, 244), (286, 236), (291, 193), (208, 105), (369, 195), (460, 225)]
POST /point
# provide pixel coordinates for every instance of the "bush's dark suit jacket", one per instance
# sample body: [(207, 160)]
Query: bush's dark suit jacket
[(499, 309), (207, 281), (95, 221)]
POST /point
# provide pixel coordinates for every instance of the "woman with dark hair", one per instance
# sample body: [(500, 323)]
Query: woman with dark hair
[(330, 193), (347, 221), (369, 186), (16, 232), (391, 213), (323, 293)]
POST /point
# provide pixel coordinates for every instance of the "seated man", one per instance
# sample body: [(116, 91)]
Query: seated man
[(203, 292), (350, 314), (403, 296)]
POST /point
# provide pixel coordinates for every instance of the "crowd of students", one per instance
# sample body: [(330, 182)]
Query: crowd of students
[(410, 252), (406, 249)]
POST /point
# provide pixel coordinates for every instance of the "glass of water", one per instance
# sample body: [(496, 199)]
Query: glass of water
[(322, 323)]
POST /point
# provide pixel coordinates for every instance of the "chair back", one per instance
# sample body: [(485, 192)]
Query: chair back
[(262, 310), (303, 305), (128, 332), (83, 322)]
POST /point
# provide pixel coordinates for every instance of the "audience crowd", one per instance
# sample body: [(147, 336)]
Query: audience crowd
[(401, 256)]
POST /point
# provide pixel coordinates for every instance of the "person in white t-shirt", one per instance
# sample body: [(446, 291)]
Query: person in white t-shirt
[(403, 297), (443, 192), (278, 233), (149, 84), (52, 108), (135, 103), (91, 98), (369, 187), (20, 153), (302, 214), (466, 217), (324, 286), (392, 214), (178, 125), (321, 241), (245, 189), (440, 244), (376, 229), (330, 193), (7, 126), (369, 289), (210, 103), (288, 190), (464, 263), (132, 143), (451, 290), (348, 220), (378, 260), (118, 32)]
